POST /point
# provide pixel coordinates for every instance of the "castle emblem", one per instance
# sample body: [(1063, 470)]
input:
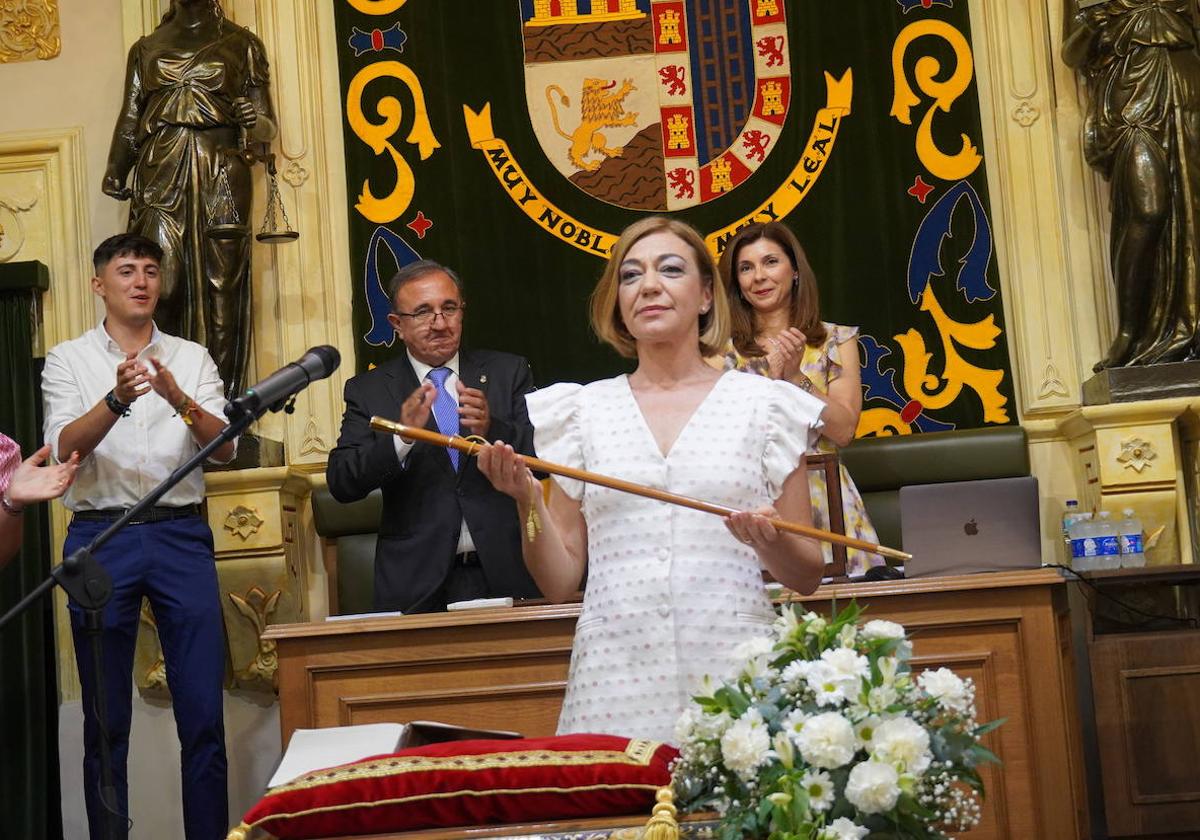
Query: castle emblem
[(637, 104)]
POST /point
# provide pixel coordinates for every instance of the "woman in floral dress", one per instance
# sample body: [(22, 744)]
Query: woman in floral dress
[(777, 331)]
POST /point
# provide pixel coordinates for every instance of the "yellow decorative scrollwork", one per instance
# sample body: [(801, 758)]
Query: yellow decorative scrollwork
[(947, 167), (376, 7), (957, 373), (378, 136), (881, 422), (928, 390), (29, 30)]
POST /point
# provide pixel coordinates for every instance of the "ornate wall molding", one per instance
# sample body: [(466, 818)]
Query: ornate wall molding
[(12, 228), (1051, 327), (29, 30)]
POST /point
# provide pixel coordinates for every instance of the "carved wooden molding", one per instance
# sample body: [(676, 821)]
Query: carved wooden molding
[(29, 30), (243, 521)]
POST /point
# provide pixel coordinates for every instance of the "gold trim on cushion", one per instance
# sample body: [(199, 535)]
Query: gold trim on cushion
[(636, 753), (402, 800), (642, 751)]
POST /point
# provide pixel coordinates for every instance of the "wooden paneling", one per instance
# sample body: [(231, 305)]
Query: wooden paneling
[(507, 669), (1147, 700)]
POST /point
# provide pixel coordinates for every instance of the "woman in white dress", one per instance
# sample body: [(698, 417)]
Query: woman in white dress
[(670, 591)]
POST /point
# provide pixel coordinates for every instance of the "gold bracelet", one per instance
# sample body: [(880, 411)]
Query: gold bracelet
[(185, 410)]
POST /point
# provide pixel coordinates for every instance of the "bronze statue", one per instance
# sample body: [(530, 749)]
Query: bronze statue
[(1142, 133), (196, 91)]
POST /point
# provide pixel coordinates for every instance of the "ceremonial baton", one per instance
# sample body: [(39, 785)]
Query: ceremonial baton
[(470, 447)]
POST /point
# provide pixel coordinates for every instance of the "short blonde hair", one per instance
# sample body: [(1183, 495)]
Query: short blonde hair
[(606, 318)]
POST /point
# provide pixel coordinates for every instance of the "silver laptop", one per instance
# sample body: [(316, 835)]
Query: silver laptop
[(962, 527)]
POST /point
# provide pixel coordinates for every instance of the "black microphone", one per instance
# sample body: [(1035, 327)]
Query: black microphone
[(273, 391)]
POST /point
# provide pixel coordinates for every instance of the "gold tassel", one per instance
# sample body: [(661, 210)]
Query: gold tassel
[(662, 824), (242, 832), (533, 522)]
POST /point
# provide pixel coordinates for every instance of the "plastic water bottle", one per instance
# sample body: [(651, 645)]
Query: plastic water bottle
[(1083, 547), (1070, 514), (1108, 541), (1132, 553)]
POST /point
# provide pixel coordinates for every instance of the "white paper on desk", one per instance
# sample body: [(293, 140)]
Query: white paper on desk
[(479, 604), (352, 616), (316, 749)]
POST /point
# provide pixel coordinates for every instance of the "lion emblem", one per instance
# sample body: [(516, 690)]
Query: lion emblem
[(600, 107)]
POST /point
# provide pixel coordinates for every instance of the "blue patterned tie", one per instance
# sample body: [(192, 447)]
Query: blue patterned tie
[(445, 409)]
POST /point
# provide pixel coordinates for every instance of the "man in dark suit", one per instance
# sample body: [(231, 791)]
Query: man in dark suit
[(446, 534)]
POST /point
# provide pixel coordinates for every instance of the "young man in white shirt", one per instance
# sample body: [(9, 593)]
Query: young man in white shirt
[(134, 404)]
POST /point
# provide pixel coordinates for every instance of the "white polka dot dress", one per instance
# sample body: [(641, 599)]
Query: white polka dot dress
[(670, 592)]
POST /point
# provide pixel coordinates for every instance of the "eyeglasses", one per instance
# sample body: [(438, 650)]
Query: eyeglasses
[(426, 317)]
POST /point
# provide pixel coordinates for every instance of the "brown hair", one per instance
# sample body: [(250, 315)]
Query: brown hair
[(806, 306), (606, 318)]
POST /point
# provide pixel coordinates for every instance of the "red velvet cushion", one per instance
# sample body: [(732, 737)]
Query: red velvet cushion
[(470, 783)]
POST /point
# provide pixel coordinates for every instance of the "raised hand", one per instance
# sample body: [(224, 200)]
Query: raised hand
[(473, 410), (785, 351), (415, 410), (32, 482), (163, 383), (133, 379)]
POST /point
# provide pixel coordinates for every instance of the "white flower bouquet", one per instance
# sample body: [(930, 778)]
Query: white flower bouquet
[(826, 735)]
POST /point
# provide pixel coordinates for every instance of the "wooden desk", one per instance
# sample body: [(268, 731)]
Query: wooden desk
[(507, 669)]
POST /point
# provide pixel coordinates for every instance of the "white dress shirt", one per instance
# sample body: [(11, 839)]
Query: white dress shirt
[(403, 447), (144, 448)]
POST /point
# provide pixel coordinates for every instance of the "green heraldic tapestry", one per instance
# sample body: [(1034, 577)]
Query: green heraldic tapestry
[(513, 140)]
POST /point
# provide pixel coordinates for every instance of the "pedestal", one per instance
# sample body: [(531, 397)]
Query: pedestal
[(261, 572), (1129, 455), (1150, 382)]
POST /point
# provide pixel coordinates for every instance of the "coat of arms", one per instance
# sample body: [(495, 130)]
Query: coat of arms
[(656, 104)]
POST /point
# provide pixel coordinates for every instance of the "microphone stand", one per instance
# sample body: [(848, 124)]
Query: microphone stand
[(88, 584)]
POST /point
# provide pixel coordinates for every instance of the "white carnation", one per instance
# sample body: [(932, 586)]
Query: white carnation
[(944, 686), (879, 629), (827, 740), (819, 787), (902, 743), (746, 745), (873, 787), (850, 666), (753, 647), (843, 829)]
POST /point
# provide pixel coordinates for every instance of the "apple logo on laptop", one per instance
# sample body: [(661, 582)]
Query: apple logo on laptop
[(971, 529)]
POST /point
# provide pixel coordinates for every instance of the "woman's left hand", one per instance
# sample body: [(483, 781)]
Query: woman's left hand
[(753, 527), (785, 351), (32, 482)]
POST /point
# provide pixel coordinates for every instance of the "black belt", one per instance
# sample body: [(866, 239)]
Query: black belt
[(158, 513), (467, 558)]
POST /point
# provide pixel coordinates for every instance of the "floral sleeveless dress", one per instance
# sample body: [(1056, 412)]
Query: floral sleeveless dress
[(822, 365)]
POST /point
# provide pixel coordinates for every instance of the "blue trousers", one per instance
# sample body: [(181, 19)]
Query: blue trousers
[(171, 563)]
